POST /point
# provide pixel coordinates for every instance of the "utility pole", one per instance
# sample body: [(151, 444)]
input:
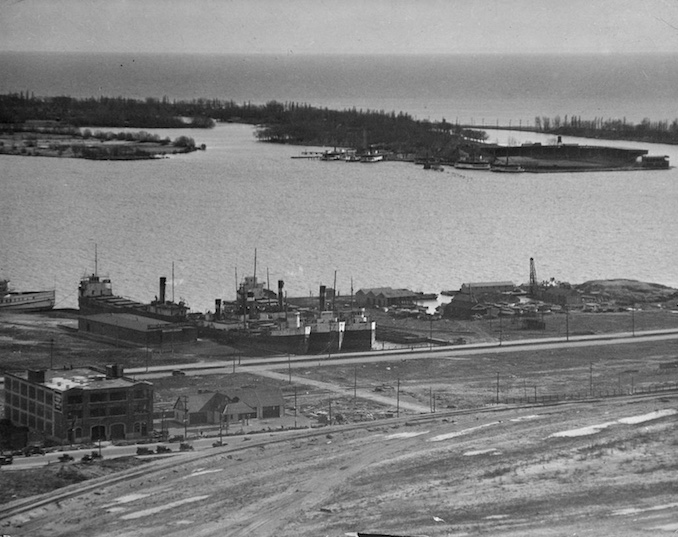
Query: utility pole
[(355, 383), (289, 368), (591, 379), (398, 399), (497, 387), (185, 398)]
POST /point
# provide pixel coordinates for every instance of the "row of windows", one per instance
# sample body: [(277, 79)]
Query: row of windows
[(33, 422), (28, 390), (21, 403)]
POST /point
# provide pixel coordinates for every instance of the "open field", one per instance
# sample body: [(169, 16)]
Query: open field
[(601, 466), (587, 470)]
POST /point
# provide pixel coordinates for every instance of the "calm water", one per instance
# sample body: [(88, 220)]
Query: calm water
[(387, 224)]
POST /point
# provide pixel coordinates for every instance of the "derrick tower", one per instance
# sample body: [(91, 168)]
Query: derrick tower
[(533, 279)]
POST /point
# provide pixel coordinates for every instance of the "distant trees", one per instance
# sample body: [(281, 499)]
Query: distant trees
[(611, 129)]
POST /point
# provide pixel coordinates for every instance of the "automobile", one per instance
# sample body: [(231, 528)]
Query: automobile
[(33, 450), (178, 373), (144, 451), (219, 443), (185, 447), (66, 458), (87, 459), (176, 438), (6, 459), (163, 449)]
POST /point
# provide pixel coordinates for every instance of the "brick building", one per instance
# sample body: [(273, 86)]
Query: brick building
[(80, 405)]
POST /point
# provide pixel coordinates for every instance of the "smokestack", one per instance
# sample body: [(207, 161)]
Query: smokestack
[(281, 284), (322, 297), (217, 308), (163, 283)]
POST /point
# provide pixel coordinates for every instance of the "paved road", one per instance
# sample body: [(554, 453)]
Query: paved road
[(450, 352)]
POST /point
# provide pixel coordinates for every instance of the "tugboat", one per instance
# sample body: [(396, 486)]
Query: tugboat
[(25, 301)]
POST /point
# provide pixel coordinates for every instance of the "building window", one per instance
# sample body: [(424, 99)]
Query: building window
[(31, 392), (48, 398), (118, 396), (98, 397), (74, 399), (97, 412), (24, 389), (118, 411)]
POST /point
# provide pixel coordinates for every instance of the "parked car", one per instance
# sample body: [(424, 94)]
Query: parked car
[(143, 450), (6, 459), (185, 447), (33, 450), (163, 449), (178, 373), (66, 458)]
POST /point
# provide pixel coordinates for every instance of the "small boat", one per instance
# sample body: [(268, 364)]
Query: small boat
[(371, 157), (472, 164), (507, 168), (26, 301)]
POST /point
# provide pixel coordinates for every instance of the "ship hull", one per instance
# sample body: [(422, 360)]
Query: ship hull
[(325, 342), (359, 337), (27, 302), (118, 304), (285, 341)]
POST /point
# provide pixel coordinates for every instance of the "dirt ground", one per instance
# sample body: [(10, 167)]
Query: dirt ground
[(586, 470), (603, 467)]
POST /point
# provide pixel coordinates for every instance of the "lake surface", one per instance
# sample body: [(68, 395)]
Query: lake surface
[(386, 224)]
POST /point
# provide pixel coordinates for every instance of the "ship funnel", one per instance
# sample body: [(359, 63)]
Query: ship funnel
[(163, 284), (281, 284), (322, 297)]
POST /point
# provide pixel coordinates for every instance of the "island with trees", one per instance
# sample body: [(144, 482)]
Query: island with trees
[(68, 126)]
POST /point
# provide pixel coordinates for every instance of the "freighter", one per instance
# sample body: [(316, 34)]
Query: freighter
[(25, 301), (360, 331), (327, 331), (95, 295), (260, 322)]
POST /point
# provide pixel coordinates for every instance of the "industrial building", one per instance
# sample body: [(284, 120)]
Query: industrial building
[(80, 405), (136, 329), (384, 297)]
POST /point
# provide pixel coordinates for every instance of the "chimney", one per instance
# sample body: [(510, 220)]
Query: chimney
[(163, 282), (217, 308), (281, 284), (37, 377), (322, 298)]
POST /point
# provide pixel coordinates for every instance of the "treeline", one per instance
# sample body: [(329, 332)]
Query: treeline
[(400, 133), (278, 122), (610, 129), (20, 108)]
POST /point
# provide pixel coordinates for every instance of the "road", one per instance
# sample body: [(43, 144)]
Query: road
[(449, 352)]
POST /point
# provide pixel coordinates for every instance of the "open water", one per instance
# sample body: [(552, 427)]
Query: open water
[(386, 224)]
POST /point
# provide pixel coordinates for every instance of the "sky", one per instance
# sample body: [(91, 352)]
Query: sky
[(340, 27)]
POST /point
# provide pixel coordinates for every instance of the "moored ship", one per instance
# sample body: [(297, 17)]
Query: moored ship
[(260, 321), (25, 301), (95, 295), (327, 331), (359, 332)]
